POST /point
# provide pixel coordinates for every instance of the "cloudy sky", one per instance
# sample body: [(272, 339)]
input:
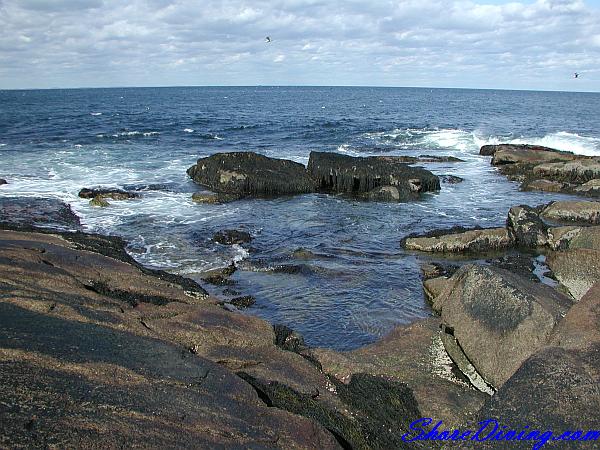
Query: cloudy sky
[(473, 43)]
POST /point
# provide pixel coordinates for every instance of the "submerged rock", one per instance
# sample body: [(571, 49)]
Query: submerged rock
[(231, 237), (243, 302), (99, 201), (374, 177), (213, 198), (478, 240), (251, 174), (499, 319), (114, 194), (451, 179)]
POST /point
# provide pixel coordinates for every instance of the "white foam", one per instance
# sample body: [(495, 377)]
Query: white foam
[(96, 114), (563, 140), (188, 130), (3, 145)]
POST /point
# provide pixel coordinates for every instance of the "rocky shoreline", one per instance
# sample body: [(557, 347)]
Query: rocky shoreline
[(98, 351)]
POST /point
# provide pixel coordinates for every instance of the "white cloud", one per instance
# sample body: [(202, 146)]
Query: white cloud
[(477, 43)]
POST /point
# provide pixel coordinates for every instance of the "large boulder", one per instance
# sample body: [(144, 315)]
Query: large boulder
[(515, 153), (3, 181), (581, 212), (580, 328), (556, 390), (576, 269), (251, 174), (526, 227), (498, 318), (479, 240), (561, 238), (362, 176)]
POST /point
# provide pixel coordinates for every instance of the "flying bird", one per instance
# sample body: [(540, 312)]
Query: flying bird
[(575, 75), (267, 39)]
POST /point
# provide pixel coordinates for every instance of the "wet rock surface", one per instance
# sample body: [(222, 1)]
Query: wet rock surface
[(41, 212), (251, 174), (357, 176), (231, 237), (526, 226), (114, 194)]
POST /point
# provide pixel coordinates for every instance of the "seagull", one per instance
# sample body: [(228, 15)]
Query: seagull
[(575, 75), (267, 39)]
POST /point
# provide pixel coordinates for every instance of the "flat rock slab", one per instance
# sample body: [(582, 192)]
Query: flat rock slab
[(578, 212), (251, 174), (41, 212), (480, 240), (498, 318), (83, 362)]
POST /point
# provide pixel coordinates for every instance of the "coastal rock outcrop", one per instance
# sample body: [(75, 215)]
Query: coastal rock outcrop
[(498, 319), (375, 177), (231, 237), (3, 181), (251, 174), (42, 212), (546, 169)]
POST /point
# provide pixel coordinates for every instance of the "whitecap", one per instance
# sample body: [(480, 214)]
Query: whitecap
[(188, 130), (96, 114)]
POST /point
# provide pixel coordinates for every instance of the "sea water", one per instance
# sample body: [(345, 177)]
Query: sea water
[(358, 283)]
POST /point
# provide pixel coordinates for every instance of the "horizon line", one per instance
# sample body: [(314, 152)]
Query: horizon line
[(289, 86)]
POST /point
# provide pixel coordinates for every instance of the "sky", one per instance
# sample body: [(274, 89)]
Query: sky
[(536, 45)]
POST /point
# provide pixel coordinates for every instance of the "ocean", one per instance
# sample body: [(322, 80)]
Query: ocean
[(358, 283)]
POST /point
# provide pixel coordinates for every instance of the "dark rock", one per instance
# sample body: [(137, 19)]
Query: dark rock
[(360, 176), (415, 355), (243, 302), (220, 276), (435, 269), (517, 262), (115, 194), (543, 185), (288, 339), (380, 410), (37, 212), (580, 171), (3, 181), (231, 237), (555, 389), (251, 174), (430, 158), (526, 227), (451, 179), (498, 318)]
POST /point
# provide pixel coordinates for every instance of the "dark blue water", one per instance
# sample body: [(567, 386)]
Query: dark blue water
[(358, 283)]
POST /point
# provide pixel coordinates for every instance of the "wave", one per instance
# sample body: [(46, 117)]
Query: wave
[(188, 130), (128, 134), (463, 141), (96, 114)]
